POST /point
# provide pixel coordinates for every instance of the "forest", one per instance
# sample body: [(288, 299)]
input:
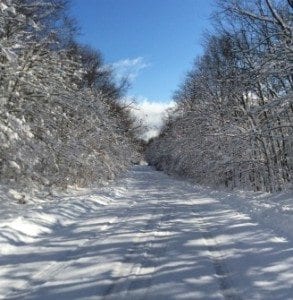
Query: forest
[(233, 125), (62, 121)]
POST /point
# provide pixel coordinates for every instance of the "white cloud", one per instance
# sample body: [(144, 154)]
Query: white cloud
[(152, 114), (129, 68)]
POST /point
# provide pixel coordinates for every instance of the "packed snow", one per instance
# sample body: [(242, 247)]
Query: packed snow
[(148, 236)]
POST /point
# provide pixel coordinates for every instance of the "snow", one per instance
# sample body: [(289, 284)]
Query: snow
[(10, 55), (15, 194), (147, 236), (274, 210)]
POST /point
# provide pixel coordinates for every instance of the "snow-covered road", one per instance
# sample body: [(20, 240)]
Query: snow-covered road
[(152, 237)]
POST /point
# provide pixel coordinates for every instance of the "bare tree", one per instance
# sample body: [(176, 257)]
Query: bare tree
[(233, 124)]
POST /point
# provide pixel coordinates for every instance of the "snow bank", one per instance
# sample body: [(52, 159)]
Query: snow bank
[(275, 210), (22, 224)]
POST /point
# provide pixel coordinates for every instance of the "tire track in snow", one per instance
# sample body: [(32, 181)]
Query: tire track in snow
[(142, 251), (224, 276)]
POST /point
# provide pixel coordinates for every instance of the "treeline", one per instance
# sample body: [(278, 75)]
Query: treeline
[(61, 119), (233, 124)]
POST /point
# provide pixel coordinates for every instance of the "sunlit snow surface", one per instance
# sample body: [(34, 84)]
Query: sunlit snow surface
[(148, 236)]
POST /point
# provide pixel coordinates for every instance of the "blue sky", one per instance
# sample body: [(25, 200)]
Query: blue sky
[(154, 42)]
